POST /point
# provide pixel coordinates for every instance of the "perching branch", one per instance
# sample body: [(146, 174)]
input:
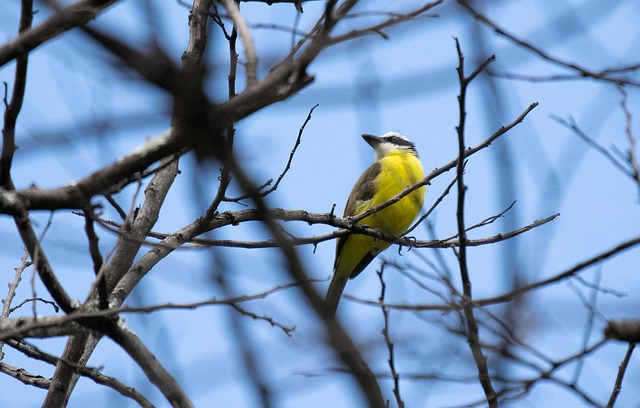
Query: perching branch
[(345, 224)]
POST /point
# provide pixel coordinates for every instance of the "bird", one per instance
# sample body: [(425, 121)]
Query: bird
[(396, 167)]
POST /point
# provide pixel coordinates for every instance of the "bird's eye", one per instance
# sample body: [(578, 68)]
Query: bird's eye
[(398, 141)]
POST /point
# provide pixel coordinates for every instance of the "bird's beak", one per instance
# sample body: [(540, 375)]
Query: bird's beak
[(372, 140)]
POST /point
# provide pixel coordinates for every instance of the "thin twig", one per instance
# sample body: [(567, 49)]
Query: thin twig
[(55, 307), (288, 330), (591, 305), (287, 166), (387, 340), (13, 286), (472, 324), (631, 155), (617, 387), (394, 18), (96, 256), (486, 221), (571, 124), (293, 152), (433, 206), (251, 59)]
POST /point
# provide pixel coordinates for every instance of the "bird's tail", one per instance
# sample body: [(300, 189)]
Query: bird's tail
[(334, 293)]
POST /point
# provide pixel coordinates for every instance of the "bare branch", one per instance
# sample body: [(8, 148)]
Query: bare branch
[(396, 18), (388, 342), (187, 234), (77, 194), (40, 327), (251, 63), (13, 286), (621, 371), (12, 109), (24, 376), (472, 325), (286, 167)]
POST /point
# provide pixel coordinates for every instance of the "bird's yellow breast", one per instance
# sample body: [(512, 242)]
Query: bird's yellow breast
[(398, 170)]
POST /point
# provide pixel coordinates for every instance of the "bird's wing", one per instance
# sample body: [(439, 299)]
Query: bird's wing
[(363, 190)]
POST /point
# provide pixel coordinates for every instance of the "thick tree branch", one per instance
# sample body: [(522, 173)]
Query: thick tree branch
[(79, 348)]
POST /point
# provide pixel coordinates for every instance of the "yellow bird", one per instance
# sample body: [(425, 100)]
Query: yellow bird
[(397, 166)]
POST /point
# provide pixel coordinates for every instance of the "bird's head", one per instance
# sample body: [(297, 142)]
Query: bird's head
[(389, 143)]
